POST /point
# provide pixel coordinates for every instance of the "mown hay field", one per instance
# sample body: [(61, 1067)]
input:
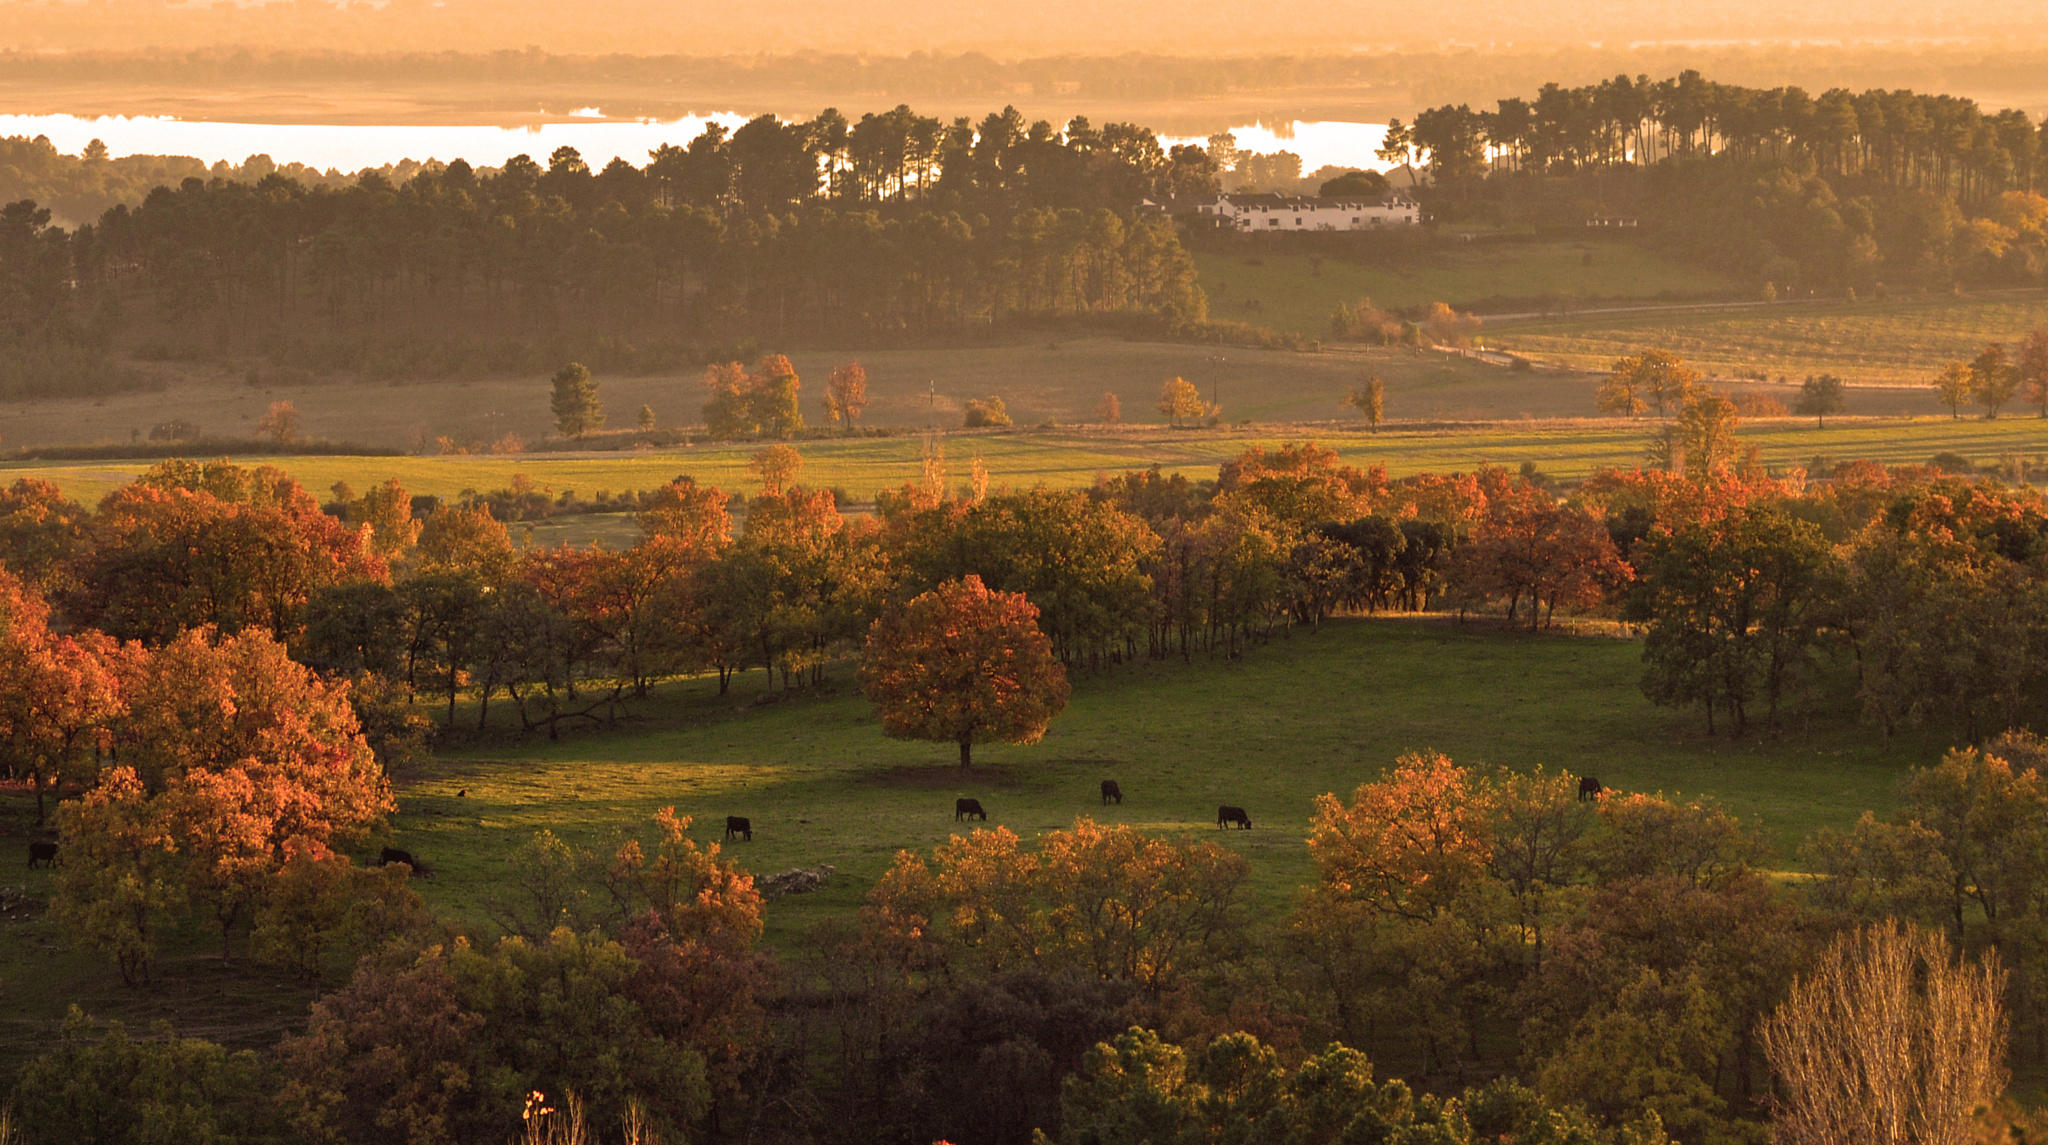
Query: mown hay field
[(1568, 449), (1897, 342), (1054, 379)]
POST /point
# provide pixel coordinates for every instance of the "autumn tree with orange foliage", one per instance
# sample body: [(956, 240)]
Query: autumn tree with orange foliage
[(647, 989), (1635, 500), (233, 757), (280, 423), (1301, 484), (760, 402), (59, 695), (846, 394), (385, 510), (960, 664), (1111, 903), (1438, 883), (40, 531), (697, 517), (188, 545), (1180, 401), (1529, 546), (776, 467), (692, 920), (1406, 846)]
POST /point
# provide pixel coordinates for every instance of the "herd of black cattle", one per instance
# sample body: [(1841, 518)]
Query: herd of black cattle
[(44, 854), (742, 828)]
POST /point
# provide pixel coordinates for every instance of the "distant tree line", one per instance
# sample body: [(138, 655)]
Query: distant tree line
[(1843, 189), (80, 188), (896, 226)]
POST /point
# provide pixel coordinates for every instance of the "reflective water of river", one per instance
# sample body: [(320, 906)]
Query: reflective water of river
[(351, 147)]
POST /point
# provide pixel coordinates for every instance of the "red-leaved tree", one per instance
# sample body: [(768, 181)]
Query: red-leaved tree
[(961, 663)]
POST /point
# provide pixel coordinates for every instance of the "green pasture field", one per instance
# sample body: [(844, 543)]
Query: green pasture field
[(1306, 714), (1567, 449), (1900, 341), (1289, 291), (1314, 712)]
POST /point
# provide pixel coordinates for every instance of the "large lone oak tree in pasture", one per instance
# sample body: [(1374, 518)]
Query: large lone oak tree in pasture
[(963, 663)]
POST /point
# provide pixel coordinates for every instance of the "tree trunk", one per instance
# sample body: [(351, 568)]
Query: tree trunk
[(966, 751)]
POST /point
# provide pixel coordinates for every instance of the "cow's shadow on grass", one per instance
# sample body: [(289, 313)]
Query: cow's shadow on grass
[(1038, 776), (945, 777)]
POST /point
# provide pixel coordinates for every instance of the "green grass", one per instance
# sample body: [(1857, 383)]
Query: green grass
[(1066, 458), (1902, 341), (1306, 714), (1312, 713), (1287, 291)]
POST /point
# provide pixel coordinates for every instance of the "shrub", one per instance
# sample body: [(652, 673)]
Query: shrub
[(982, 412), (1759, 405)]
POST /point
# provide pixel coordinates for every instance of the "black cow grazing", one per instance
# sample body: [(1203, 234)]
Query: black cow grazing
[(1226, 815), (968, 809), (392, 855), (739, 825), (1589, 788), (42, 854), (462, 794), (1111, 791)]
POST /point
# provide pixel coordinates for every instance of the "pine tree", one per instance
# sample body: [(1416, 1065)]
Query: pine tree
[(575, 402)]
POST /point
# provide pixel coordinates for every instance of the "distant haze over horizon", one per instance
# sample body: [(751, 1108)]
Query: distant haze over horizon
[(1094, 26)]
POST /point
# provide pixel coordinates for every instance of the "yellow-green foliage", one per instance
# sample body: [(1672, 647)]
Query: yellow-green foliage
[(1069, 458)]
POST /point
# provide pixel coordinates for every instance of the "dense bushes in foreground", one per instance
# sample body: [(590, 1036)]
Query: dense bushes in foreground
[(1539, 967)]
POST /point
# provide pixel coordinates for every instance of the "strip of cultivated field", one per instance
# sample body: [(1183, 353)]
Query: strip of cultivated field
[(1067, 458)]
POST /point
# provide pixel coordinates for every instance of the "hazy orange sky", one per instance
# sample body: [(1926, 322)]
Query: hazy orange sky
[(995, 26)]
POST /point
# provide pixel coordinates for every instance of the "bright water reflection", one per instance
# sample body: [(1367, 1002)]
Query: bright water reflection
[(351, 147), (1322, 143)]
